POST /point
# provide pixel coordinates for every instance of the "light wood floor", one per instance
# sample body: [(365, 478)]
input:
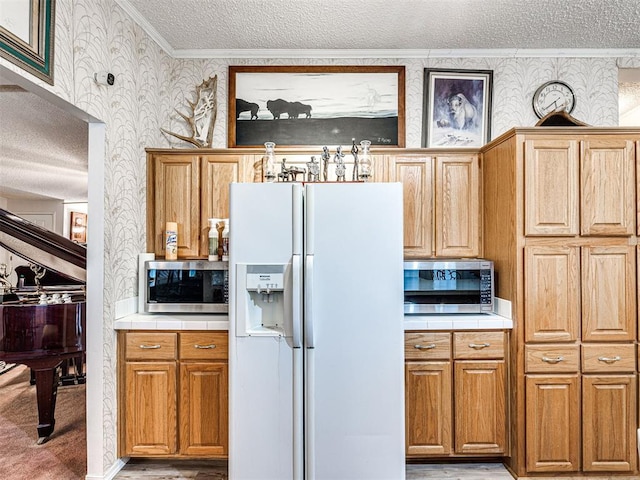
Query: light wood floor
[(217, 470)]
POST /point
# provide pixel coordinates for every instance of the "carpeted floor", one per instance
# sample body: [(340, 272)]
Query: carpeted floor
[(64, 455)]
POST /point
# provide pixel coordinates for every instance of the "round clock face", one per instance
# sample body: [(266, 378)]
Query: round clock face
[(552, 96)]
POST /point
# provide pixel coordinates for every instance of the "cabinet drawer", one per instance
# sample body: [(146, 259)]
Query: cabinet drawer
[(204, 346), (473, 345), (608, 358), (552, 358), (150, 346), (424, 345)]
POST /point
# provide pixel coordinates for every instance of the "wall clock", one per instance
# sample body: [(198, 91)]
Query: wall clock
[(552, 96)]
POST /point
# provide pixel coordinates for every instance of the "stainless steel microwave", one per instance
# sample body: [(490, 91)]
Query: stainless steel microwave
[(448, 286), (190, 286)]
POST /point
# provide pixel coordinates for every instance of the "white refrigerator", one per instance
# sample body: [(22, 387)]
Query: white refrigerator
[(316, 343)]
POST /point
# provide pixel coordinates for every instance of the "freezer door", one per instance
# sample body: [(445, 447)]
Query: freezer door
[(354, 382), (265, 380)]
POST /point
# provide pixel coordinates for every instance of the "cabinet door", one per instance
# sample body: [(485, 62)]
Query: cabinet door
[(551, 187), (552, 423), (608, 190), (552, 294), (609, 423), (176, 199), (416, 175), (204, 408), (428, 408), (150, 408), (608, 293), (480, 407), (218, 171), (457, 209)]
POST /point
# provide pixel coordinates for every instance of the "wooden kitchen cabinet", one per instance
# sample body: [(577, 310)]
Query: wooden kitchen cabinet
[(441, 204), (552, 304), (609, 423), (457, 206), (455, 394), (581, 187), (553, 423), (428, 383), (415, 172), (560, 222), (609, 296), (175, 397), (189, 187)]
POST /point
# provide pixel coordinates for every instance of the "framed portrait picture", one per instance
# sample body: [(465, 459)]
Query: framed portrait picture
[(316, 105), (457, 108)]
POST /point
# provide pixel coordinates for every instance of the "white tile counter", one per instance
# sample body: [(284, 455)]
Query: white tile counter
[(501, 319), (481, 321), (156, 321)]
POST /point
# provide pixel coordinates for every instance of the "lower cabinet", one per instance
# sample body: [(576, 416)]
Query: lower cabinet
[(455, 394), (581, 416), (173, 394)]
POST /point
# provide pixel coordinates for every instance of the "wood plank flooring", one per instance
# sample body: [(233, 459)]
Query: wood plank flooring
[(144, 469)]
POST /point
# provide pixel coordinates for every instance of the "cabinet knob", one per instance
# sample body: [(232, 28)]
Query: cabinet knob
[(425, 347), (205, 347), (557, 359), (610, 360), (479, 346), (150, 347)]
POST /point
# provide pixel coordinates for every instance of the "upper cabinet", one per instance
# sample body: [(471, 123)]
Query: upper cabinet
[(441, 194), (579, 187), (441, 203), (189, 188)]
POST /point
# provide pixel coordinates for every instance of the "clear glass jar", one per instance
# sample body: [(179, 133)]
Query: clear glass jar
[(365, 162), (269, 162)]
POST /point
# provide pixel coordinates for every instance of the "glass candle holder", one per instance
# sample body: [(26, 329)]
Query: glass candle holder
[(269, 162), (365, 163)]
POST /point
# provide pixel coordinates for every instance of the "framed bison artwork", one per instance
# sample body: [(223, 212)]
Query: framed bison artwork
[(457, 108), (316, 105)]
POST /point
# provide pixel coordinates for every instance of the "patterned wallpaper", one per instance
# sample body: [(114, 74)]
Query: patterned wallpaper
[(594, 81), (95, 35)]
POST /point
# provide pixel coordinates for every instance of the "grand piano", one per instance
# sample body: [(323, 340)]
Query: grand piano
[(43, 326)]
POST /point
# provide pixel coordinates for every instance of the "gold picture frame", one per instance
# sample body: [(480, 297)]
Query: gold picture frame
[(27, 36), (316, 105)]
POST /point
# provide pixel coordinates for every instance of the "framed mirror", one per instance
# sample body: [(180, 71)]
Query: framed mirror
[(27, 36)]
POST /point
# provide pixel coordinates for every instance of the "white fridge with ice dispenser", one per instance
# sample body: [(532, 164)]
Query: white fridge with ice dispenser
[(316, 348)]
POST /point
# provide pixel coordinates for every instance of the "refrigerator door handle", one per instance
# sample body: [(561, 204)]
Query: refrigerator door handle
[(308, 303), (296, 300)]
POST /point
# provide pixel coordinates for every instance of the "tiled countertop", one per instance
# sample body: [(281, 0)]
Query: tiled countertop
[(154, 321), (486, 321)]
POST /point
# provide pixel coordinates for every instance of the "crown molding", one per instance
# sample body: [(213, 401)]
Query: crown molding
[(146, 26), (406, 53)]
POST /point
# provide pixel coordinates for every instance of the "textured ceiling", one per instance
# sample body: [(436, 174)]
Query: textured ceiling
[(392, 24), (43, 149), (35, 135)]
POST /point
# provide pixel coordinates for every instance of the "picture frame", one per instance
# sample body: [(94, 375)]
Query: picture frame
[(457, 108), (27, 36), (78, 227), (316, 105)]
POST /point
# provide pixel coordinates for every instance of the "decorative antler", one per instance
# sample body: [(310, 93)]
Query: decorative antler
[(203, 114)]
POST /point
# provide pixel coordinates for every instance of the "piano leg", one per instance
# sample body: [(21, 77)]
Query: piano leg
[(47, 390)]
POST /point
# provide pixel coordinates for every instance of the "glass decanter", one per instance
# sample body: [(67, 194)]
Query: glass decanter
[(365, 162), (269, 162)]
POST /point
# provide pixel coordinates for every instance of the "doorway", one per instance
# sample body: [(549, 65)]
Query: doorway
[(94, 132)]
